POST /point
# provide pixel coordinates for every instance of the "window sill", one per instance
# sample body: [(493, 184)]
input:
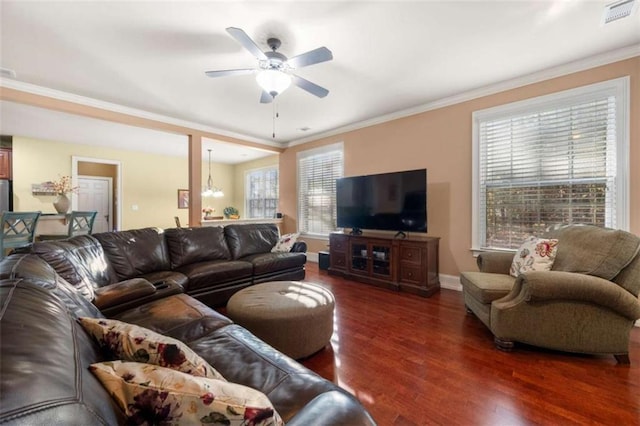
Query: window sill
[(477, 251)]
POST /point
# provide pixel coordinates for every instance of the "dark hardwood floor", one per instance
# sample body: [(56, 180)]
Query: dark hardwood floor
[(424, 361)]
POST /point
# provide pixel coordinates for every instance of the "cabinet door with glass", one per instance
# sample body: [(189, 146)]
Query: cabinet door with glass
[(359, 256), (370, 257), (380, 259)]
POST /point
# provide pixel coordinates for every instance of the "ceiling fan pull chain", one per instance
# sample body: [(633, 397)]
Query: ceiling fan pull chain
[(276, 114)]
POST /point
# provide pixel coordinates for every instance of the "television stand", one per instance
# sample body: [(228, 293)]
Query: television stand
[(402, 264)]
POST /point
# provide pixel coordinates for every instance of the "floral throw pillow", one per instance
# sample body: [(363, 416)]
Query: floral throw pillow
[(149, 394), (130, 342), (285, 243), (535, 254)]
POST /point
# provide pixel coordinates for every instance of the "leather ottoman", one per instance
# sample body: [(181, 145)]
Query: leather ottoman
[(294, 317)]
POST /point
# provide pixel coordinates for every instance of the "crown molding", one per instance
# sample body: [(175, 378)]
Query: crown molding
[(536, 77), (108, 106)]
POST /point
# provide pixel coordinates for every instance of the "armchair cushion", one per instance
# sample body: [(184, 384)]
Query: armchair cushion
[(593, 250), (535, 254), (486, 287), (497, 262)]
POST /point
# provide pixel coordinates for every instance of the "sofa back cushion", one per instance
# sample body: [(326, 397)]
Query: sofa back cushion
[(586, 249), (136, 252), (244, 240), (79, 260), (193, 245), (35, 270), (45, 362)]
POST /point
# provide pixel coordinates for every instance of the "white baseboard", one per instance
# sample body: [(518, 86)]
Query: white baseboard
[(450, 282)]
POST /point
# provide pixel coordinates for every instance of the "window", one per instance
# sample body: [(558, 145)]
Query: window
[(557, 159), (318, 170), (261, 189)]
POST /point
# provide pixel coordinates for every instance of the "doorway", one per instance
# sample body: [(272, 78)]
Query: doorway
[(95, 193), (99, 183)]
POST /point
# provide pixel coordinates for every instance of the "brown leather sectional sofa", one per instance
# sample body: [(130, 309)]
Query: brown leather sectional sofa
[(45, 352), (208, 263)]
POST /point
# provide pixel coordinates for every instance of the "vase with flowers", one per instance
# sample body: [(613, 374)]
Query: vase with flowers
[(208, 212), (62, 187)]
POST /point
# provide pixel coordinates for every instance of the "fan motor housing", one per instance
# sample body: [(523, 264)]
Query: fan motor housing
[(276, 60)]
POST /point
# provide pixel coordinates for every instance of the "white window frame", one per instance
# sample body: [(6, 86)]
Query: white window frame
[(618, 87), (247, 188), (339, 146)]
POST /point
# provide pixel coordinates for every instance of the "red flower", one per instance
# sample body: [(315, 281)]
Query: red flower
[(544, 248), (170, 355), (207, 398), (254, 416)]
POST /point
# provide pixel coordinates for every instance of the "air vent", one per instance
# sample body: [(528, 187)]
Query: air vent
[(618, 10), (6, 72)]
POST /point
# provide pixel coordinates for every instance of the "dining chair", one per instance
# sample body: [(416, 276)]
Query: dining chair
[(18, 229), (80, 223)]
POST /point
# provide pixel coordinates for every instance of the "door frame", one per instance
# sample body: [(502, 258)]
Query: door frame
[(116, 199)]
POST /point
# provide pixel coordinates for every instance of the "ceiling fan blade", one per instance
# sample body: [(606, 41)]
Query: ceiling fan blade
[(223, 73), (321, 54), (246, 41), (265, 98), (310, 87)]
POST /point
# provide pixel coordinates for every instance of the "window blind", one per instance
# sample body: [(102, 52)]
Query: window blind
[(261, 193), (317, 173), (539, 168)]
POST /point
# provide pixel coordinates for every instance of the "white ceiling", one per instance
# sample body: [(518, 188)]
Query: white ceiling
[(389, 56)]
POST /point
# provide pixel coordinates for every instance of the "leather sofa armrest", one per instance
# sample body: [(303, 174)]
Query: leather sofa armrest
[(124, 291), (542, 286), (332, 407), (496, 262), (299, 247)]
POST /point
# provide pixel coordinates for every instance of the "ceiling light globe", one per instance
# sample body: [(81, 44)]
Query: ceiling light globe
[(273, 82)]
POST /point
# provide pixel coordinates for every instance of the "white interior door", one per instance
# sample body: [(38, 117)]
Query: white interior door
[(95, 193)]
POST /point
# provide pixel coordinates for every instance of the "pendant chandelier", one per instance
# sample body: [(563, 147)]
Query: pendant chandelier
[(210, 190)]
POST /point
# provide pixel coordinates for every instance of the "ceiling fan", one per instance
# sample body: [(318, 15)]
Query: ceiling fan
[(275, 70)]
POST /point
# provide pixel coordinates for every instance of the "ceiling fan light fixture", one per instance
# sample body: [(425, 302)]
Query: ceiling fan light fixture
[(273, 81)]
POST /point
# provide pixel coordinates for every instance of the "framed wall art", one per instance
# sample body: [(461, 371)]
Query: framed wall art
[(183, 198)]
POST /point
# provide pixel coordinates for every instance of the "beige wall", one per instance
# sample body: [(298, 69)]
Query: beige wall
[(149, 181), (440, 141), (241, 170)]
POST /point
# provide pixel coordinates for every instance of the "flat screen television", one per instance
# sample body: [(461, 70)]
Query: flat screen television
[(388, 201)]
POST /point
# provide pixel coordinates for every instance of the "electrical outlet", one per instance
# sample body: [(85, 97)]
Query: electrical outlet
[(134, 207)]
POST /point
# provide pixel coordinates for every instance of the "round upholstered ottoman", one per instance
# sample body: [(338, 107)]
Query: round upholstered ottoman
[(294, 317)]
